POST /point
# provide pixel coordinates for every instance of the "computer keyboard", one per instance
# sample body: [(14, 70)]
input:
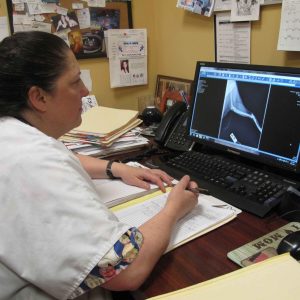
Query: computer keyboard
[(238, 184)]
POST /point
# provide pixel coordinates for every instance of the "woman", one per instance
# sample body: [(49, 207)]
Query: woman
[(124, 67), (57, 239)]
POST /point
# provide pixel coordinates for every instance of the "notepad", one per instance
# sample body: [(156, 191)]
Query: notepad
[(274, 279), (115, 192), (206, 216)]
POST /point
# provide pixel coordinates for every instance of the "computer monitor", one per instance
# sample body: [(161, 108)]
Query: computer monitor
[(249, 110)]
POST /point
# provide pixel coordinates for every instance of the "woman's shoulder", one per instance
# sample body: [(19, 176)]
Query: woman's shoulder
[(24, 142)]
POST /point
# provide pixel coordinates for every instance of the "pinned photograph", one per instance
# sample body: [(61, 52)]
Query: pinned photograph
[(62, 22), (245, 10), (124, 66), (186, 4), (203, 7), (76, 43)]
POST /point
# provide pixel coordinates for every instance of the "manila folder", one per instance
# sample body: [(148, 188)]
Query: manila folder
[(104, 121), (276, 279)]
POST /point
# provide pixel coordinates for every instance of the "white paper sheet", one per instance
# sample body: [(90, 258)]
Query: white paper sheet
[(4, 32), (202, 217), (221, 5), (289, 34), (86, 77), (232, 39)]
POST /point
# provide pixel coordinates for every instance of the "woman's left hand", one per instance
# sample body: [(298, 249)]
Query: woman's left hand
[(142, 177)]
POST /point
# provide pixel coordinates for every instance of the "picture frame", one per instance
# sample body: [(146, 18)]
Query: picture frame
[(67, 22), (168, 91)]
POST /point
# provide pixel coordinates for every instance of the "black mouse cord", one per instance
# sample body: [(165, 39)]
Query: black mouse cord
[(288, 213)]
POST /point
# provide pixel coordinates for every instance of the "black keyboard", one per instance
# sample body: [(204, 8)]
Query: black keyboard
[(238, 184)]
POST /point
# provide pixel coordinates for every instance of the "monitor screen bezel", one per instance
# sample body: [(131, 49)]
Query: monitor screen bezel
[(225, 148)]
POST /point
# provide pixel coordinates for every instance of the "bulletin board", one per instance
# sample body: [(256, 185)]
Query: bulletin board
[(81, 26)]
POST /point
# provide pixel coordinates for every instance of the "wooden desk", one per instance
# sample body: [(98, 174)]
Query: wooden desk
[(206, 257)]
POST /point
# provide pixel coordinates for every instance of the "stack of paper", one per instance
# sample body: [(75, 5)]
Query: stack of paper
[(130, 141), (115, 192), (105, 131)]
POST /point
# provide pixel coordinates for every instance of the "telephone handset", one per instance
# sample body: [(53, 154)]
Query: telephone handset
[(172, 131)]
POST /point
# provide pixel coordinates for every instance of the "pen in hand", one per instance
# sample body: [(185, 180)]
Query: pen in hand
[(199, 191)]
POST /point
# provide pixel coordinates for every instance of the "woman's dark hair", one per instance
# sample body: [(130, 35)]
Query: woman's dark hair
[(27, 59)]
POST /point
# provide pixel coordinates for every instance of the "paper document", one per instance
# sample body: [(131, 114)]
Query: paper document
[(289, 34), (114, 192), (232, 40), (221, 5), (204, 217), (4, 31)]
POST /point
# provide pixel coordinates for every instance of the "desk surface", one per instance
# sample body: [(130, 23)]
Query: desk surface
[(206, 257)]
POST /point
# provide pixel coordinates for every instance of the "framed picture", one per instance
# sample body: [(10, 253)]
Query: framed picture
[(81, 26), (170, 90)]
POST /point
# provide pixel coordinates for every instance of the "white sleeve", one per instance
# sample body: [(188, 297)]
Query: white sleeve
[(58, 219)]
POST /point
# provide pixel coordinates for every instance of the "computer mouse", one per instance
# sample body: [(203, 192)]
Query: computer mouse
[(291, 243)]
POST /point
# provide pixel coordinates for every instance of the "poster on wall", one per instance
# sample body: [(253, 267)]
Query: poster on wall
[(127, 53)]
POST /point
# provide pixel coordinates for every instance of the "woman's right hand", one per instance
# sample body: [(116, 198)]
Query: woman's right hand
[(156, 232), (181, 200)]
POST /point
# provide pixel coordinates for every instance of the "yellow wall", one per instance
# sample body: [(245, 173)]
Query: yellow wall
[(176, 40)]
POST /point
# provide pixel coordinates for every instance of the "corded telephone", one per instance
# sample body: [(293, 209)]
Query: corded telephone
[(172, 131)]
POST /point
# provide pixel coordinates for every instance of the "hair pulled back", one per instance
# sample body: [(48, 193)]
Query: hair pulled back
[(27, 59)]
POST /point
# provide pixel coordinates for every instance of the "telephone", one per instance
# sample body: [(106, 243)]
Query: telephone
[(172, 131)]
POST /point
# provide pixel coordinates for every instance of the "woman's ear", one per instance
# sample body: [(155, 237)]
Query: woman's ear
[(37, 98)]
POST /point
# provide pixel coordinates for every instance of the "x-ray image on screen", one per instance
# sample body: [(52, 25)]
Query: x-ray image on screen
[(251, 111), (242, 116)]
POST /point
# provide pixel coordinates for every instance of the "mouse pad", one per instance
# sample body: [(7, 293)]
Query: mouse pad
[(255, 251), (259, 256)]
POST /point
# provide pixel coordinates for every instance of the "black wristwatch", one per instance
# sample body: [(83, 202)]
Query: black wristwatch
[(109, 171)]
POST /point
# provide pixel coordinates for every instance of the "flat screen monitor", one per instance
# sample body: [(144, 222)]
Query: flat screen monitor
[(249, 110)]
